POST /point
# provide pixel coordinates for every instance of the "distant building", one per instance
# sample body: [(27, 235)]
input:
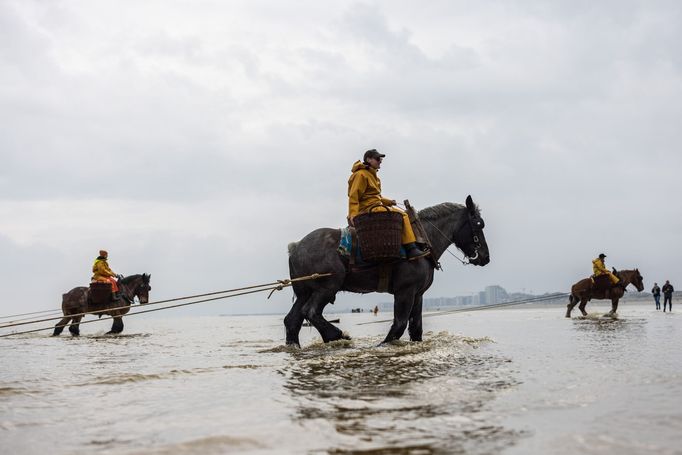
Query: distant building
[(491, 295), (495, 294)]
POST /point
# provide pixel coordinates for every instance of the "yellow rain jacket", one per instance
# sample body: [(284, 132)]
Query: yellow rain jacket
[(599, 268), (364, 192), (101, 270)]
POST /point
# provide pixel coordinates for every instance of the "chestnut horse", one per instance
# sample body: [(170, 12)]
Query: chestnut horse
[(77, 301), (584, 290)]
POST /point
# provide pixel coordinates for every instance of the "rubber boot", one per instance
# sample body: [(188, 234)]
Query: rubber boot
[(413, 251)]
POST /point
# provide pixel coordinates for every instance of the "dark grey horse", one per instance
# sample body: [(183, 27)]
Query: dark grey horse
[(77, 301), (444, 224)]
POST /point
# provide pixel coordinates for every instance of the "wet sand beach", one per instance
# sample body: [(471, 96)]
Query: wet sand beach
[(517, 380)]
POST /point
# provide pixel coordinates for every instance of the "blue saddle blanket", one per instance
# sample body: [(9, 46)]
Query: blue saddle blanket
[(346, 247)]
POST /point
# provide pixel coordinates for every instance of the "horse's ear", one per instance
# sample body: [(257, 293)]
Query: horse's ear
[(470, 204)]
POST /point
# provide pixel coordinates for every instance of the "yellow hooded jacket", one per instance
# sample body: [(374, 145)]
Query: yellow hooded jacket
[(599, 268), (364, 190), (101, 270)]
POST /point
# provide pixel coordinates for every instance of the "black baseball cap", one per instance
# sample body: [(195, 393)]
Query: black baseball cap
[(372, 154), (602, 255)]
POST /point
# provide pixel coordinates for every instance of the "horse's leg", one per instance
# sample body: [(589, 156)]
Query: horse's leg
[(572, 302), (59, 328), (402, 307), (415, 324), (614, 307), (312, 309), (583, 303), (117, 326), (74, 328), (294, 320)]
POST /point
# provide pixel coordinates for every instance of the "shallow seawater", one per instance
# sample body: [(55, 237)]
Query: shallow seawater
[(521, 380)]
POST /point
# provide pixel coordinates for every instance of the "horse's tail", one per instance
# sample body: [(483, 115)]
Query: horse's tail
[(296, 287)]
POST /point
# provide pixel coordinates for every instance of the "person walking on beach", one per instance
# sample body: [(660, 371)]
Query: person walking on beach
[(656, 291), (668, 295)]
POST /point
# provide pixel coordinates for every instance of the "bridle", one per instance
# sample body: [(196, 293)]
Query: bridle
[(135, 291), (476, 226)]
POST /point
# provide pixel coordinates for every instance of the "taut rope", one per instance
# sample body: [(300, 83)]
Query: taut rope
[(541, 298), (272, 287)]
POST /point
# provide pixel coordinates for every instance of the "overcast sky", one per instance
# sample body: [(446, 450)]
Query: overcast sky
[(195, 139)]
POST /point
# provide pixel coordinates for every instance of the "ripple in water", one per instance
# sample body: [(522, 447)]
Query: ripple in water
[(386, 398)]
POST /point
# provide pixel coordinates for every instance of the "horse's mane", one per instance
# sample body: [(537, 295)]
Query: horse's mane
[(440, 210), (129, 278)]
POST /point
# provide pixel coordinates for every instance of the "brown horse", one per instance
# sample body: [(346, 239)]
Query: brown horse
[(77, 302), (585, 290)]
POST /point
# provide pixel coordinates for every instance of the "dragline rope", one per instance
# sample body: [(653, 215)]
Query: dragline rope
[(26, 314), (278, 282), (274, 286), (540, 298)]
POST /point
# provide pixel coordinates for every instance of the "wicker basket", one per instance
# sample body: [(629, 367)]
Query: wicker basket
[(100, 292), (379, 234)]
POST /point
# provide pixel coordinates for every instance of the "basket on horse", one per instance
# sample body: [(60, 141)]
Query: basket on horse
[(100, 292), (379, 233)]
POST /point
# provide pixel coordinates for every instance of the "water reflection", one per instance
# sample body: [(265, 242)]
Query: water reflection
[(424, 398), (606, 338)]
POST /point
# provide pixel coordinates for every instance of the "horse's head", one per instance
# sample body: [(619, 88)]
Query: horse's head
[(637, 280), (631, 277), (142, 288), (470, 239)]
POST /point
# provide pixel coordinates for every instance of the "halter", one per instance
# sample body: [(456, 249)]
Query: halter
[(476, 229), (477, 226), (134, 291)]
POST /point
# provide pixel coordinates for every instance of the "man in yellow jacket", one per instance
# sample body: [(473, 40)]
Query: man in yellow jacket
[(599, 268), (102, 272), (364, 192)]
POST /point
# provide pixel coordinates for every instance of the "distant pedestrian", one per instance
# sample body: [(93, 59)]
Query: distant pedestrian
[(656, 291), (668, 295)]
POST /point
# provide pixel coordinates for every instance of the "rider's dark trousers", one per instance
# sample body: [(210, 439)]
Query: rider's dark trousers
[(669, 300)]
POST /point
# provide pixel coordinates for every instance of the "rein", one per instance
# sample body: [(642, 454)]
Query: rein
[(129, 294), (449, 243), (446, 238)]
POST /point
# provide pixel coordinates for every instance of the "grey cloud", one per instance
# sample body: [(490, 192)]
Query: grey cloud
[(560, 119)]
